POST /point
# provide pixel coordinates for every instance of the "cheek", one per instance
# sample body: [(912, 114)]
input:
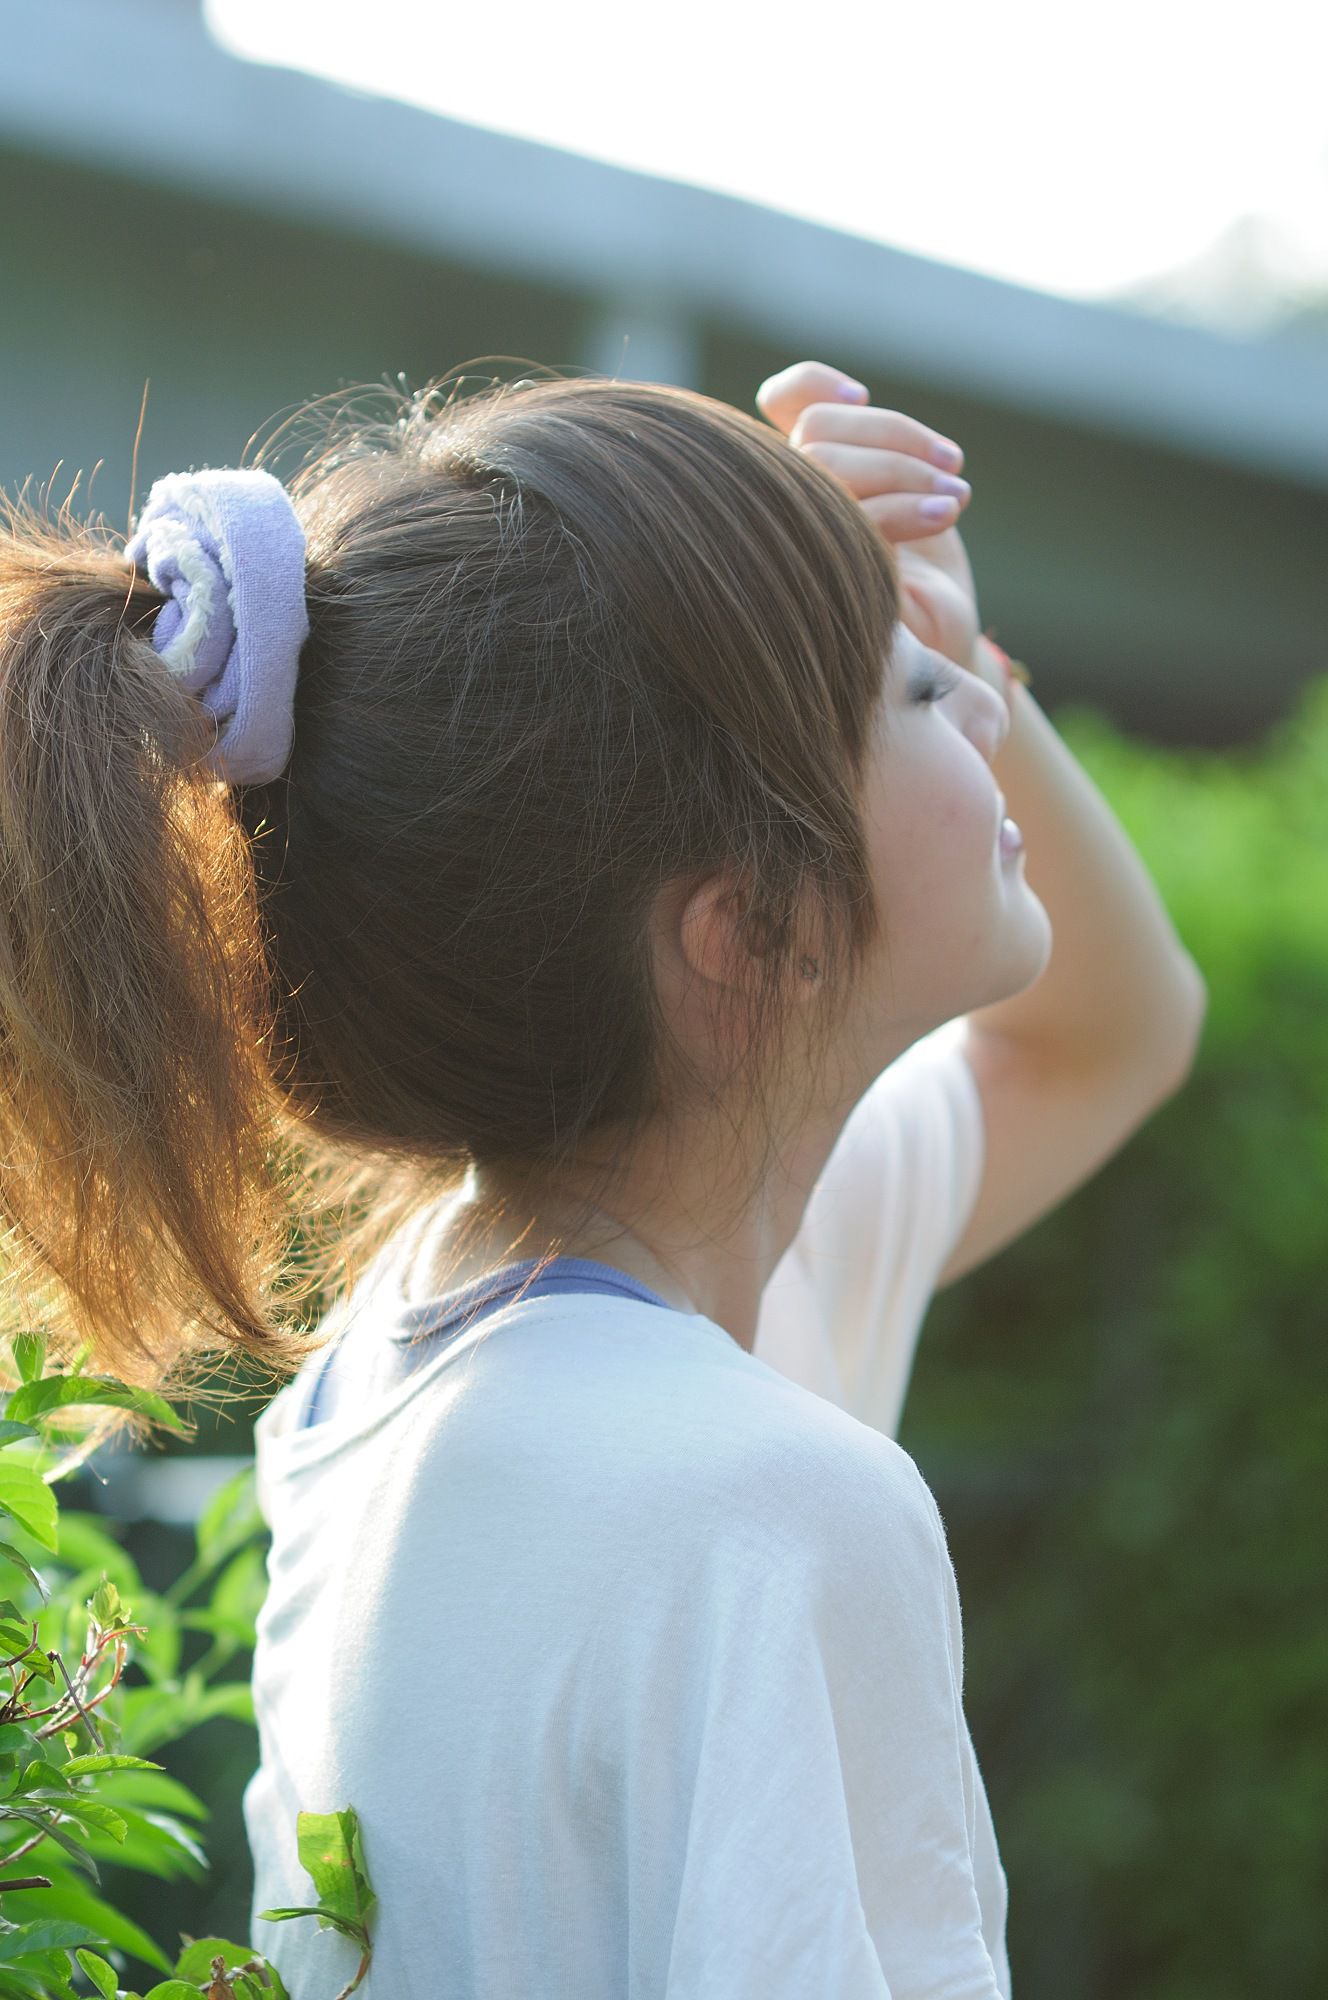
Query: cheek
[(937, 813), (932, 835)]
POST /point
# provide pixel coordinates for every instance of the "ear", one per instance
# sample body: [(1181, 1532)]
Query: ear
[(709, 935), (707, 956), (715, 940)]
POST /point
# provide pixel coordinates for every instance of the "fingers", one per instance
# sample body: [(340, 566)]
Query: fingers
[(909, 517), (781, 397), (866, 470), (904, 496), (887, 430), (903, 473), (805, 401)]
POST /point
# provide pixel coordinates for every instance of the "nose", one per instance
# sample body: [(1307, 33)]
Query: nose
[(990, 715)]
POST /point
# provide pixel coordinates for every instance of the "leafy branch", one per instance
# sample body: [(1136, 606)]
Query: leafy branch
[(74, 1779)]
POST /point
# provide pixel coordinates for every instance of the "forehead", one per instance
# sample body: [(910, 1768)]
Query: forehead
[(904, 651)]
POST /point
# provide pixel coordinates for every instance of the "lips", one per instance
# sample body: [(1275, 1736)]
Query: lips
[(1009, 838), (1012, 840)]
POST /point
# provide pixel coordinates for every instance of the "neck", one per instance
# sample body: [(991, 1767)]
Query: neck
[(680, 1231)]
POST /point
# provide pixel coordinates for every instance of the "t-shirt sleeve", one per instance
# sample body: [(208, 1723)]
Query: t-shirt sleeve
[(829, 1841), (891, 1203)]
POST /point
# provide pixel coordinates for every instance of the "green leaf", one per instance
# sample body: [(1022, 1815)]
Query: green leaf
[(93, 1813), (144, 1849), (44, 1974), (18, 1984), (237, 1597), (15, 1556), (29, 1351), (232, 1698), (58, 1973), (157, 1651), (329, 1849), (85, 1544), (161, 1715), (276, 1984), (103, 1976), (9, 1431), (62, 1838), (195, 1961), (105, 1604), (41, 1773), (328, 1920), (233, 1510), (152, 1788), (15, 1738), (153, 1715), (55, 1934), (240, 1589), (351, 1827), (69, 1896), (325, 1855), (258, 1985), (171, 1989), (82, 1767), (58, 1392), (267, 1985), (179, 1835), (30, 1500), (154, 1843)]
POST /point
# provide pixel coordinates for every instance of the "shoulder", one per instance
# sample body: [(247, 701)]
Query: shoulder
[(812, 1488)]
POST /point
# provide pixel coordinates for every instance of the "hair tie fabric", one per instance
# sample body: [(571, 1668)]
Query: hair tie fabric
[(227, 548)]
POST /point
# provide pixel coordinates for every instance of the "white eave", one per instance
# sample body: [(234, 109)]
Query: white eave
[(140, 88)]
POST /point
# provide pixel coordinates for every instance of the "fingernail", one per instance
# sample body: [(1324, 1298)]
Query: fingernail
[(945, 453), (853, 392), (945, 482), (938, 508)]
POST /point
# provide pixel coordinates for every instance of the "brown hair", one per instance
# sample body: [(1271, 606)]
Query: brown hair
[(570, 638)]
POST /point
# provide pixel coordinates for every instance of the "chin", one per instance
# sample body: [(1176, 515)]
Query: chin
[(1021, 954), (1035, 948)]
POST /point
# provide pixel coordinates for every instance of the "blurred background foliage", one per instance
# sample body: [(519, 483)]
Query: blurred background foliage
[(1125, 1419)]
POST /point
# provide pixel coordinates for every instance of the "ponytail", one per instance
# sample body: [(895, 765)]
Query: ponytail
[(144, 1209)]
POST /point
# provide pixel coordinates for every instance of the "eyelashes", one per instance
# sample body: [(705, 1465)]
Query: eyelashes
[(929, 686)]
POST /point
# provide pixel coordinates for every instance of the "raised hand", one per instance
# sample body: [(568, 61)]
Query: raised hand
[(904, 476)]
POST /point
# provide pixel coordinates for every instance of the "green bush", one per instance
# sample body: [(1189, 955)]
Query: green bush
[(78, 1791), (1125, 1419)]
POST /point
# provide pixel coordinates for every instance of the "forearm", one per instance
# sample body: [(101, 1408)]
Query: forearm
[(1120, 985)]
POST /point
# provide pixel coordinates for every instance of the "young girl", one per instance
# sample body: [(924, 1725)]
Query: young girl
[(618, 925)]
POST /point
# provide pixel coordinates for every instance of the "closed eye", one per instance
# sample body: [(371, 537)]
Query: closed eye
[(929, 684)]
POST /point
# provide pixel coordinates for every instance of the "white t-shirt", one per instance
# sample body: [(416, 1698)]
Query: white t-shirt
[(640, 1664)]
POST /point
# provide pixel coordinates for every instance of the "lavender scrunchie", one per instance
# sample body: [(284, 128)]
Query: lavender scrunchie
[(228, 549)]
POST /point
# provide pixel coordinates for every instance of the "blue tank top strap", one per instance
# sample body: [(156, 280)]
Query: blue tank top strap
[(416, 1329)]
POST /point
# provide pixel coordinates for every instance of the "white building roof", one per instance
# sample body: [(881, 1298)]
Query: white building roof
[(141, 88)]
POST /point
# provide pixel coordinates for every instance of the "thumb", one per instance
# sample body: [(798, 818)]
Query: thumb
[(783, 397)]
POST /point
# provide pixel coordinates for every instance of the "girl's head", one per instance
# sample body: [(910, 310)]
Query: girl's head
[(604, 682)]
